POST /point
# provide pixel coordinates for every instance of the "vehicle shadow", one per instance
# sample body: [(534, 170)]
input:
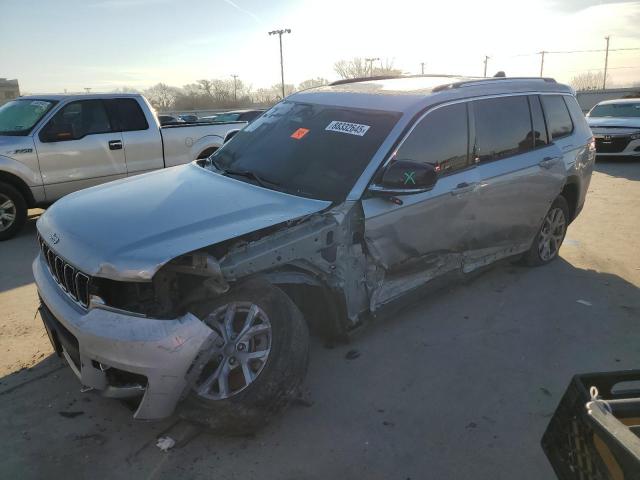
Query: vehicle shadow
[(17, 254), (460, 385), (622, 167)]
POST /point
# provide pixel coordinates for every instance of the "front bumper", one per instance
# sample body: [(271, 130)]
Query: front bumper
[(97, 340), (616, 146)]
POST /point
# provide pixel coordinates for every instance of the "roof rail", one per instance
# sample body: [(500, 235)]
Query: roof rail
[(480, 81), (390, 77)]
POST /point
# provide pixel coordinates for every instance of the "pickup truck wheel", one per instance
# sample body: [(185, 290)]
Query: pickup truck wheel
[(13, 211), (546, 245), (257, 364)]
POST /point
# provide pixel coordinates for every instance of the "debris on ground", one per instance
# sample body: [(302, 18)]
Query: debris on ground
[(70, 414), (165, 443), (352, 354), (584, 302)]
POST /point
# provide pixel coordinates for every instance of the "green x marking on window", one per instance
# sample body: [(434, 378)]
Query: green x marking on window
[(409, 177)]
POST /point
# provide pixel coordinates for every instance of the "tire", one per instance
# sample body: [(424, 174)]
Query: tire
[(537, 254), (14, 213), (277, 379)]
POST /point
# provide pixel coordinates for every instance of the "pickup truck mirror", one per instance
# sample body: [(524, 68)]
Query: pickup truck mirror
[(58, 132), (406, 176), (230, 134)]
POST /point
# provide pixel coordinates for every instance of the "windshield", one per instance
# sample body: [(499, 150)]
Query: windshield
[(19, 116), (625, 110), (315, 151)]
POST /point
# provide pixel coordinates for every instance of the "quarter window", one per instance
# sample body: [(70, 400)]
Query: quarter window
[(441, 139), (557, 114), (77, 120), (503, 127)]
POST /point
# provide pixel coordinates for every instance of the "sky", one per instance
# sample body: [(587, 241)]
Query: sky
[(53, 45)]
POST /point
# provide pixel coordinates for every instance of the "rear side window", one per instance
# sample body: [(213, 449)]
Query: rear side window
[(441, 139), (540, 138), (128, 115), (503, 127), (557, 114)]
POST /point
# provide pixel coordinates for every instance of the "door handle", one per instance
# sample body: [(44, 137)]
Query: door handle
[(548, 162), (115, 145), (464, 187)]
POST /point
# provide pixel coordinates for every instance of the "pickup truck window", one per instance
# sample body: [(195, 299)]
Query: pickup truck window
[(20, 116), (77, 120), (315, 151), (127, 115)]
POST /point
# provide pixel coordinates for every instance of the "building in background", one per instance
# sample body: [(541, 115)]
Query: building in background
[(590, 98), (9, 90)]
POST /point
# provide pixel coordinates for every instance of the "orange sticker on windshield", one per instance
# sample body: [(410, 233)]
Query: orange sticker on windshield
[(299, 133)]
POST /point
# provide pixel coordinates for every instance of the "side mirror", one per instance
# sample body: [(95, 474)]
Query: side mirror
[(405, 176), (58, 132), (230, 135)]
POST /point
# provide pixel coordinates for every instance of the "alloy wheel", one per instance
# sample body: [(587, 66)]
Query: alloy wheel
[(7, 212), (551, 234), (241, 351)]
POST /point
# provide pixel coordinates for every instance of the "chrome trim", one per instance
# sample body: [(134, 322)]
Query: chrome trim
[(75, 284)]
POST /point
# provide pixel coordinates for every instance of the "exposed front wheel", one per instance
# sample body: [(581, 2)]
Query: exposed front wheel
[(547, 243), (257, 363), (13, 211)]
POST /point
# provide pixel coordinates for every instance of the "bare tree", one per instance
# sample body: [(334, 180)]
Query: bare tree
[(162, 96), (588, 81), (313, 82), (358, 67)]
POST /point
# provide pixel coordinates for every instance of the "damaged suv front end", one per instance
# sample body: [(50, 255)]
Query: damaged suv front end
[(123, 267)]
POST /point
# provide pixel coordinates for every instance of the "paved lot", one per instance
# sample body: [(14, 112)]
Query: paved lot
[(458, 386)]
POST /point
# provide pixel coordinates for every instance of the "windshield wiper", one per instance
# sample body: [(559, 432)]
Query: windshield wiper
[(242, 173)]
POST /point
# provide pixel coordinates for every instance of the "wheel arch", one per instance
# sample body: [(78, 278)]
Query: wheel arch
[(571, 193), (323, 308), (19, 185)]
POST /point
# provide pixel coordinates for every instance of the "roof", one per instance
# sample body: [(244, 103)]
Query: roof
[(620, 100), (85, 96), (405, 94)]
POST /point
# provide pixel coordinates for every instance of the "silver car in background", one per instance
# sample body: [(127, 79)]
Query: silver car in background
[(616, 127), (195, 286)]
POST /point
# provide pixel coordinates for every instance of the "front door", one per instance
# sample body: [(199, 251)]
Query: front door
[(78, 148), (418, 236)]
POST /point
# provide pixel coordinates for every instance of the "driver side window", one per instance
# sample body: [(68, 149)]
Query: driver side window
[(77, 120), (440, 139)]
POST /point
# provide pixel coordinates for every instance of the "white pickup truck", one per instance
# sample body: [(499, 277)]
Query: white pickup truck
[(52, 145)]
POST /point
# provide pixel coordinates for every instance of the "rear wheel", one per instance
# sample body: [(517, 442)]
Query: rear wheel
[(547, 243), (257, 363), (13, 211)]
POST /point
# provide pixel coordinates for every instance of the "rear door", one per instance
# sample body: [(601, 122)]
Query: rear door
[(141, 139), (78, 148), (427, 230), (520, 174)]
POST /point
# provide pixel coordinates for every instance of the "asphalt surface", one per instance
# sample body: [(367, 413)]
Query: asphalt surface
[(460, 385)]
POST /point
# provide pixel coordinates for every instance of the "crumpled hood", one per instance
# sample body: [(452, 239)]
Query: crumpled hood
[(626, 123), (128, 229)]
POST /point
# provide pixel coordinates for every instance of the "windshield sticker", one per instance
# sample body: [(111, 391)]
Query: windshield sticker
[(346, 127), (40, 104), (299, 133)]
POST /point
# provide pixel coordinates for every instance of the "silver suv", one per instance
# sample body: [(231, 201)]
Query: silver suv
[(196, 285)]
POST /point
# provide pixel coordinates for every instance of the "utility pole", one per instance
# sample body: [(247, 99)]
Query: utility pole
[(279, 33), (542, 61), (422, 67), (606, 63), (371, 60), (486, 60), (87, 89), (235, 88)]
